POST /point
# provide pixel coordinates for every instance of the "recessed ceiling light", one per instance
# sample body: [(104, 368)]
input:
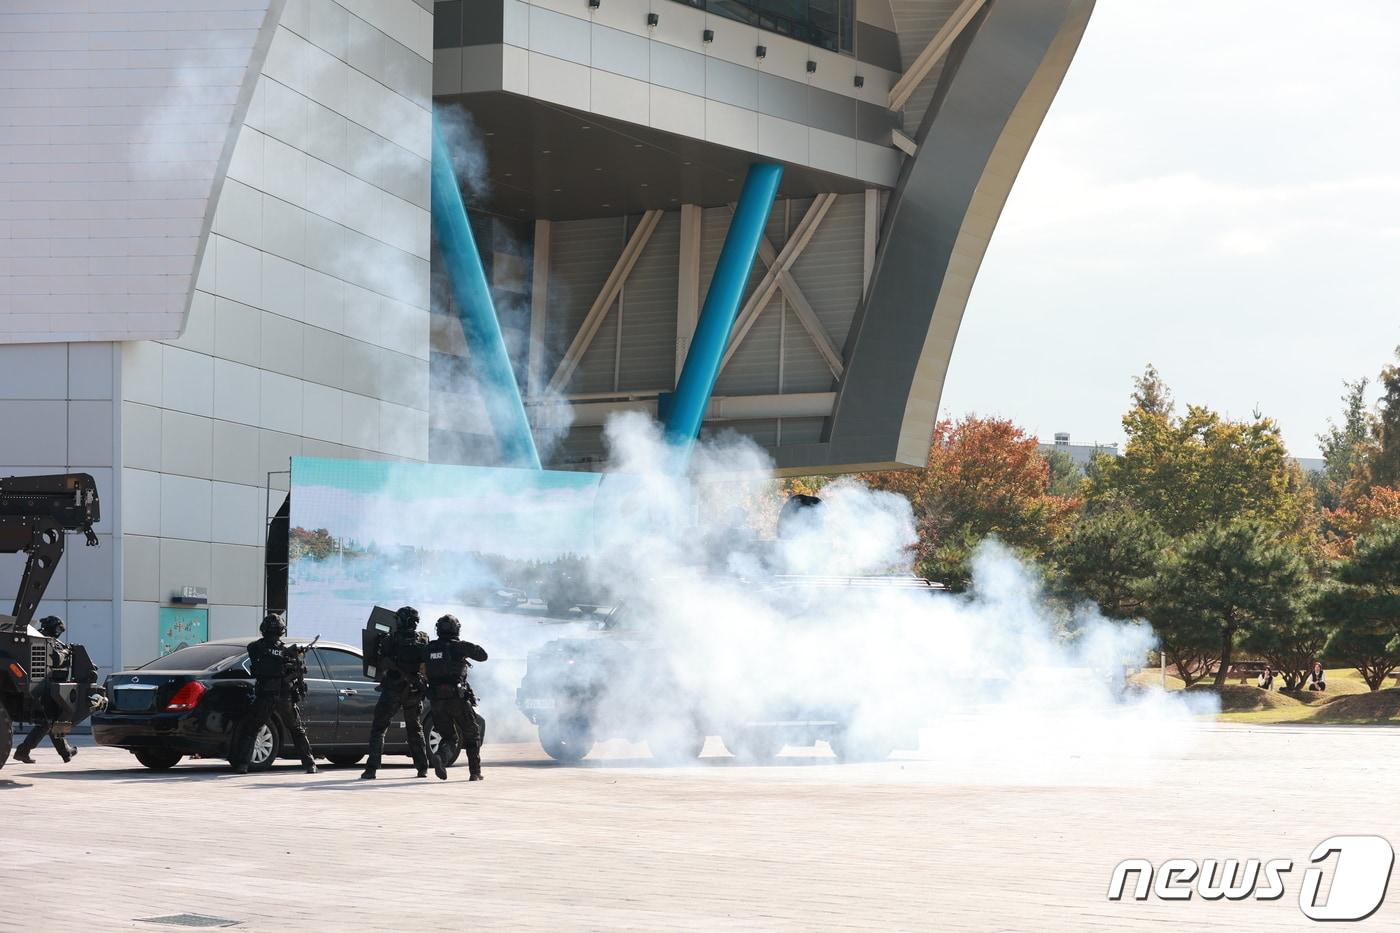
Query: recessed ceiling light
[(685, 163), (557, 190), (490, 133), (598, 169), (585, 127), (544, 152), (729, 179), (636, 145), (644, 184), (607, 205), (507, 174)]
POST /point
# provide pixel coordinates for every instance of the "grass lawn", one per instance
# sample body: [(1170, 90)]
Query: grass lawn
[(1347, 701)]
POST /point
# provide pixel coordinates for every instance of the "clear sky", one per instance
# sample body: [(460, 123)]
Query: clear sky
[(1216, 190)]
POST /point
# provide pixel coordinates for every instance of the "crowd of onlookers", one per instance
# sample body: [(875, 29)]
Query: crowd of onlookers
[(1313, 680)]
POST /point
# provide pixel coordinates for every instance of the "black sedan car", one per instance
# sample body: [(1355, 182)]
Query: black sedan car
[(191, 702)]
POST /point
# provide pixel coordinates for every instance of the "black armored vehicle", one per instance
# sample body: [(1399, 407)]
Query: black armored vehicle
[(35, 514), (633, 679)]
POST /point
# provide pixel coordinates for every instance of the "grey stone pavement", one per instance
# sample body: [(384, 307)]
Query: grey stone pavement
[(976, 840)]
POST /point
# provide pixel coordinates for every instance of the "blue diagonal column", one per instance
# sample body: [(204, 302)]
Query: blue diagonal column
[(686, 409), (490, 362)]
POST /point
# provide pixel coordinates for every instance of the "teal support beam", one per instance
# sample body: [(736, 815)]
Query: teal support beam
[(490, 362), (685, 408)]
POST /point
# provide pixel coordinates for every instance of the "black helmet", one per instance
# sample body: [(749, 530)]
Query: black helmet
[(273, 626), (52, 626), (408, 618), (449, 627)]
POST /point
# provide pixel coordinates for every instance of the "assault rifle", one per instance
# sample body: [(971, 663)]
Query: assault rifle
[(297, 654)]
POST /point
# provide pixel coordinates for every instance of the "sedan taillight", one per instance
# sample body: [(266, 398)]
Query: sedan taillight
[(186, 698)]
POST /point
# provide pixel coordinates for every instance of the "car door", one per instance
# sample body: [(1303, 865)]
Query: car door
[(320, 710), (355, 697)]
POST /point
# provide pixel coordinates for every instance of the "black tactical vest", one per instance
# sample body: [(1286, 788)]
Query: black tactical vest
[(403, 652), (447, 662), (269, 660)]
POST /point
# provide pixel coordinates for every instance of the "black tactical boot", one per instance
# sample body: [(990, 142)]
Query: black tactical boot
[(68, 751), (22, 754), (439, 769), (368, 775), (422, 772), (476, 776), (310, 767)]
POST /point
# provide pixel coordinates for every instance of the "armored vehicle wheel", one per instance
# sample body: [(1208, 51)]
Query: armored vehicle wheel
[(754, 745), (6, 735), (679, 746), (158, 759), (345, 759), (859, 746), (565, 741), (447, 749)]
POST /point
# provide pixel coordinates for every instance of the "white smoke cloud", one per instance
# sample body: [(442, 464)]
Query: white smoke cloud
[(750, 630)]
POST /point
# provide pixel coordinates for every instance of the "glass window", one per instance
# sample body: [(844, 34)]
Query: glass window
[(829, 24), (194, 658), (341, 665)]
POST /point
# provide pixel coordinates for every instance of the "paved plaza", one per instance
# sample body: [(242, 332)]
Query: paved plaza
[(912, 843)]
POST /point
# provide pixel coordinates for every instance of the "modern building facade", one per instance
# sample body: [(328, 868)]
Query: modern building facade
[(216, 247)]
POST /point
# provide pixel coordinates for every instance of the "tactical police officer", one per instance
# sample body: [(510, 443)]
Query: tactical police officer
[(449, 659), (402, 685), (60, 669), (280, 675)]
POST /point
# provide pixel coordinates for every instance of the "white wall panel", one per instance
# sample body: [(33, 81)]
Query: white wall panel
[(130, 111), (327, 196)]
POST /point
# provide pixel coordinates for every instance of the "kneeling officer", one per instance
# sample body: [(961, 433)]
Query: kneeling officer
[(449, 659), (402, 686), (281, 684)]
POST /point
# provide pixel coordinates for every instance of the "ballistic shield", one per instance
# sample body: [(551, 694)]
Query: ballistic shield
[(381, 622)]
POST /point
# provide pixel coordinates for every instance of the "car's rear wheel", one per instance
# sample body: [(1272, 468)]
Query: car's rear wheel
[(754, 745), (6, 735), (158, 759), (345, 759), (266, 744), (446, 748), (567, 742)]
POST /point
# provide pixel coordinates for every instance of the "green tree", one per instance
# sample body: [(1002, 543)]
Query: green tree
[(1195, 470), (1223, 583), (1066, 477), (1344, 446), (1385, 461), (1189, 646), (1363, 606), (1110, 557), (1291, 643)]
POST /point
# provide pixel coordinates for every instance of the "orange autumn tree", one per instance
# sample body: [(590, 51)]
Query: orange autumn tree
[(1369, 510), (985, 478)]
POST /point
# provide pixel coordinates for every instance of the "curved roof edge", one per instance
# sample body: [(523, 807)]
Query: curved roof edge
[(994, 93), (134, 182)]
